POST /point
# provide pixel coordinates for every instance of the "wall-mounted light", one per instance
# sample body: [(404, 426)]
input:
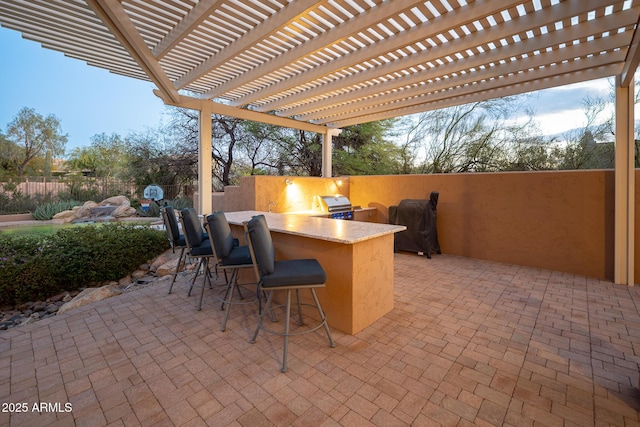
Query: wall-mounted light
[(338, 182), (288, 181)]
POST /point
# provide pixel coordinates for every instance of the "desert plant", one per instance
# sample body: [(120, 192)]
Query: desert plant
[(48, 210)]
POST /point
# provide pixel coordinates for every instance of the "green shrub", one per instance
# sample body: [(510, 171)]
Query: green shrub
[(48, 210), (34, 267)]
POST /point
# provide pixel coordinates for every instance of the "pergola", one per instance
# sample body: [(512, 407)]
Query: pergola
[(319, 65)]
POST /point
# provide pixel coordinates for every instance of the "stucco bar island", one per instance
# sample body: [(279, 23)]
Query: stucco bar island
[(357, 257)]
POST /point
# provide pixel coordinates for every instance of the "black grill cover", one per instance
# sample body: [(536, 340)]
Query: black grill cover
[(419, 216)]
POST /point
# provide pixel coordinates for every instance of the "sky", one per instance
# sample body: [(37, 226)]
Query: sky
[(89, 100)]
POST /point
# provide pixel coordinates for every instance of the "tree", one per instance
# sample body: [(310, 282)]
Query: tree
[(463, 138), (226, 135), (259, 148), (8, 151), (586, 146), (300, 153), (366, 150), (158, 158), (35, 135), (107, 156)]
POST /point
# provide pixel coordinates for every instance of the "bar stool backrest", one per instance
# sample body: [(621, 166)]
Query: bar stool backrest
[(261, 244), (220, 233), (191, 227), (171, 225)]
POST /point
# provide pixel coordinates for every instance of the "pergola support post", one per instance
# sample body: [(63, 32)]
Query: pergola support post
[(624, 252), (327, 151), (326, 155), (204, 160)]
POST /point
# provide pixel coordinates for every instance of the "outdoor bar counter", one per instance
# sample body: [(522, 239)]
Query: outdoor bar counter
[(357, 257)]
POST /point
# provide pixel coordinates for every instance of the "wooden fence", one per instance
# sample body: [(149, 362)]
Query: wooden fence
[(25, 194)]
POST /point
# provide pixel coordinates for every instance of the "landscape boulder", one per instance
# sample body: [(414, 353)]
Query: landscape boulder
[(90, 295), (108, 209)]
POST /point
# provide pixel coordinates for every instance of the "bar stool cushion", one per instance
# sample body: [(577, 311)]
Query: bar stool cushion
[(203, 249), (239, 255), (199, 242), (180, 241), (295, 272)]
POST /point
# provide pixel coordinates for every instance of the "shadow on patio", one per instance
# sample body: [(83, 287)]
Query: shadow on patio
[(468, 342)]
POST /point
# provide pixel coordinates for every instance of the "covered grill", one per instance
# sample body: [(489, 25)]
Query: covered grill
[(419, 216), (338, 207)]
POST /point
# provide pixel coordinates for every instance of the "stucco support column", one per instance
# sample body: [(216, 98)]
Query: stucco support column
[(625, 185), (204, 160), (327, 150)]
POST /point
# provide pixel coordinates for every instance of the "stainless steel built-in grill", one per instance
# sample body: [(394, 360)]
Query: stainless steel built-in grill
[(338, 207)]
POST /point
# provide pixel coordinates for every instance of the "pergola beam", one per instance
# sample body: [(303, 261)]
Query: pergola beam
[(515, 26), (333, 36), (240, 113), (194, 18), (633, 59), (115, 17), (345, 101), (281, 19), (512, 85), (429, 29)]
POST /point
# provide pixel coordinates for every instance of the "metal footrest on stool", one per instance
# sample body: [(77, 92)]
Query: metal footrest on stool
[(322, 323)]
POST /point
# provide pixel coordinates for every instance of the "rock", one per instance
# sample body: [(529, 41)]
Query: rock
[(68, 297), (124, 212), (90, 295), (162, 259), (124, 281), (116, 201), (65, 216), (28, 321), (39, 306), (84, 211), (15, 318), (108, 210), (167, 268), (102, 211), (52, 308), (138, 274), (56, 297)]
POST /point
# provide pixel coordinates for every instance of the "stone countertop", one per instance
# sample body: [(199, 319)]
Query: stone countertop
[(333, 230)]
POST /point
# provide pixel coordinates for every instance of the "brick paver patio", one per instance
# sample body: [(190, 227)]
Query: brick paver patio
[(468, 342)]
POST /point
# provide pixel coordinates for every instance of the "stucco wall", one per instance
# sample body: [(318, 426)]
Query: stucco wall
[(553, 220), (560, 220)]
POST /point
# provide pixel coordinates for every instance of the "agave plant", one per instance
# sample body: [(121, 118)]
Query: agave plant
[(48, 210)]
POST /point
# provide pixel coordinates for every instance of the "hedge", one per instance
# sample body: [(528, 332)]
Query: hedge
[(35, 267)]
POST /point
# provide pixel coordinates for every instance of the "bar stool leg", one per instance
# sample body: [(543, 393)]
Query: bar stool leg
[(286, 330), (228, 297), (195, 275), (323, 318), (261, 316), (300, 323), (175, 273)]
